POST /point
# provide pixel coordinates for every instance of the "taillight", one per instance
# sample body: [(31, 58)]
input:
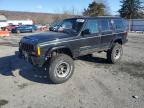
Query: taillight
[(126, 33)]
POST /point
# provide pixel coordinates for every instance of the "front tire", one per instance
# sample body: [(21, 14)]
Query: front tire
[(114, 55), (61, 68)]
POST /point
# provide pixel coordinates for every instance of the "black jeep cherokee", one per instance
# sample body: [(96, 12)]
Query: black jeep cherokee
[(75, 37)]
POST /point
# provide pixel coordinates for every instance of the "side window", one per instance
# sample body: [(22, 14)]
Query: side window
[(119, 25), (105, 25), (91, 27), (67, 25)]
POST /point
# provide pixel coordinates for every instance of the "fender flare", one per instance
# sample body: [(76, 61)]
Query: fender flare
[(48, 53), (118, 38)]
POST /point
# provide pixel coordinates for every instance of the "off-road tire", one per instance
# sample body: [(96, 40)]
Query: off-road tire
[(111, 54), (52, 68)]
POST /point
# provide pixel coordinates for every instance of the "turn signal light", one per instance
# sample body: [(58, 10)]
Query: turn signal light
[(38, 51)]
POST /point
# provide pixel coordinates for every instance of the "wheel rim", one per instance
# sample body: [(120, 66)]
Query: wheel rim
[(117, 54), (62, 69)]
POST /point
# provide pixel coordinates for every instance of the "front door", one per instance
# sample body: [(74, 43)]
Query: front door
[(90, 38)]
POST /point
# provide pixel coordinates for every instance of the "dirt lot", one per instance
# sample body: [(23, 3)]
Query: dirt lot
[(95, 83)]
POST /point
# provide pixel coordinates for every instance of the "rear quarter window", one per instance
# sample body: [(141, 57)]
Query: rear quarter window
[(119, 24)]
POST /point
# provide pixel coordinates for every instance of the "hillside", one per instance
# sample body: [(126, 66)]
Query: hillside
[(38, 18)]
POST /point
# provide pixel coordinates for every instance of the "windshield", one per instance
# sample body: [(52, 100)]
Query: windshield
[(72, 26)]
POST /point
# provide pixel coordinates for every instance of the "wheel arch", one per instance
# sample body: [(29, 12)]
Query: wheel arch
[(60, 49), (117, 40)]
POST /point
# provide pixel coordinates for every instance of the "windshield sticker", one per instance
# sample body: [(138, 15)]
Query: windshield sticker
[(80, 20)]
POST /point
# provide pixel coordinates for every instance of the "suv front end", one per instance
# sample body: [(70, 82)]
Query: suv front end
[(31, 52)]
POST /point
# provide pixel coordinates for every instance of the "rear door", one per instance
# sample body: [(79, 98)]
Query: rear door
[(106, 33)]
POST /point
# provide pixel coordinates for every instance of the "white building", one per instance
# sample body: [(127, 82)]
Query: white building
[(20, 22), (3, 21)]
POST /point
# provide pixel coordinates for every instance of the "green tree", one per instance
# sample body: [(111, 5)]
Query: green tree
[(131, 9), (95, 9)]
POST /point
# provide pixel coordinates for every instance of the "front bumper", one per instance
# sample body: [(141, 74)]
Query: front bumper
[(36, 61)]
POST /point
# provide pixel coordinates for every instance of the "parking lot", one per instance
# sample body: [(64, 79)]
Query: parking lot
[(95, 83)]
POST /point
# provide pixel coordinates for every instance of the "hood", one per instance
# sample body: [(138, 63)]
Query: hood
[(47, 36)]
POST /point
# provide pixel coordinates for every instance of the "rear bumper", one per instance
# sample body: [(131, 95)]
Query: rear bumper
[(125, 41)]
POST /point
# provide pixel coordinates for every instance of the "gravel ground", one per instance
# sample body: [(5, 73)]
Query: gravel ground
[(95, 83)]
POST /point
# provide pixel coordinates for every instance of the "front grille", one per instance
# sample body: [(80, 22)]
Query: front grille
[(27, 47)]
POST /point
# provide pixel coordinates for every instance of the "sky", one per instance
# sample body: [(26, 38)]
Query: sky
[(54, 6)]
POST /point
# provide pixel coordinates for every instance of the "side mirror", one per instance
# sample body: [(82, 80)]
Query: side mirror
[(85, 32)]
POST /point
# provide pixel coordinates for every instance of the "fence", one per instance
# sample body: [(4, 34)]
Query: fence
[(136, 25)]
